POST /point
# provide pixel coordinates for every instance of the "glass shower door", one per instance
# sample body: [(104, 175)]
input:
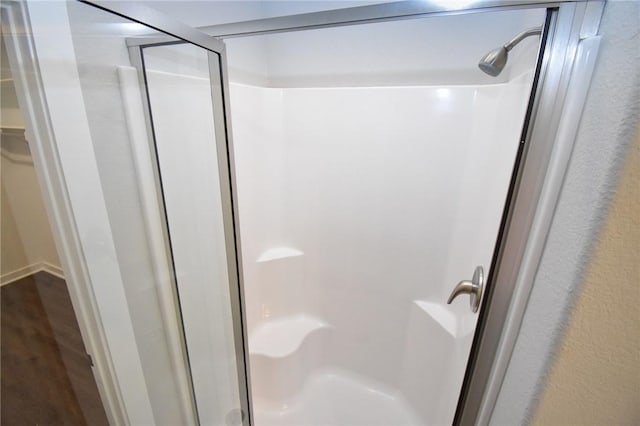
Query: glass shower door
[(186, 108)]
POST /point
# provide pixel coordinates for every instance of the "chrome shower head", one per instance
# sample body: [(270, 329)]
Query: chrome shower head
[(493, 62)]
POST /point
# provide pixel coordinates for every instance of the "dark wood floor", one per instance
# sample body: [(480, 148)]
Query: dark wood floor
[(46, 375)]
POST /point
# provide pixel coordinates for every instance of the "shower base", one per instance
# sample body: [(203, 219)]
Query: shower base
[(334, 397)]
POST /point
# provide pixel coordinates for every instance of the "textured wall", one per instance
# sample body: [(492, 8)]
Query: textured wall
[(595, 378), (609, 124)]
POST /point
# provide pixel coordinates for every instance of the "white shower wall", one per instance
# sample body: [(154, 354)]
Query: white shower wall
[(360, 209)]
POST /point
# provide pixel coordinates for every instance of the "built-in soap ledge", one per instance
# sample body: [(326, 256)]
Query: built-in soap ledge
[(281, 337), (445, 318), (276, 253)]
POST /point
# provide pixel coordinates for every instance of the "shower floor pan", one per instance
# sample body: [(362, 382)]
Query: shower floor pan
[(294, 384), (334, 397)]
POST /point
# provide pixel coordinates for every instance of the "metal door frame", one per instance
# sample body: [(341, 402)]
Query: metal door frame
[(536, 181)]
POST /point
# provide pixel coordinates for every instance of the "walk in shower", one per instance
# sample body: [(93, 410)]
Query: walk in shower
[(275, 218), (373, 164)]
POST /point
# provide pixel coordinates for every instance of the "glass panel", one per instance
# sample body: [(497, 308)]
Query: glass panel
[(180, 100)]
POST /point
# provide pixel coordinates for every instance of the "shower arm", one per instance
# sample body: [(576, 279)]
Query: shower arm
[(526, 33)]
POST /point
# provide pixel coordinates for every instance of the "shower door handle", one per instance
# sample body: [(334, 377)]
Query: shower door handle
[(473, 288)]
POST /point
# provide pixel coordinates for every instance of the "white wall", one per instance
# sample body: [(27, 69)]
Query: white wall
[(391, 201), (608, 126)]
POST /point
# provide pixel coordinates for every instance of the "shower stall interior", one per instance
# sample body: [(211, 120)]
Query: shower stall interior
[(290, 211), (369, 175), (373, 164)]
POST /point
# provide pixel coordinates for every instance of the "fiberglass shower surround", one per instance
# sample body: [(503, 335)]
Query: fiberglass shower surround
[(353, 177), (324, 261)]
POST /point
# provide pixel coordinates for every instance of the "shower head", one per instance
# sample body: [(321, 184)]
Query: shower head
[(493, 62)]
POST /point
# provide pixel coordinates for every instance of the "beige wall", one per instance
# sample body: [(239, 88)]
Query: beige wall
[(25, 233), (25, 236), (10, 111), (13, 256), (595, 379)]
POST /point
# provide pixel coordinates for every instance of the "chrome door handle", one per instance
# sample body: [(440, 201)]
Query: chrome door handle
[(473, 288)]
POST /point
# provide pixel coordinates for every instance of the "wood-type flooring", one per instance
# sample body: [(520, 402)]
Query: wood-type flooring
[(46, 373)]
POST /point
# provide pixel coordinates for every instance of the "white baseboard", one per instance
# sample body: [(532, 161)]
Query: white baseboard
[(54, 270), (25, 271)]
